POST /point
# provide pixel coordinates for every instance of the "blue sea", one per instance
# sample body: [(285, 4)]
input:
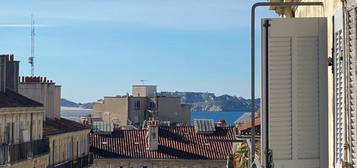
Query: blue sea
[(229, 116)]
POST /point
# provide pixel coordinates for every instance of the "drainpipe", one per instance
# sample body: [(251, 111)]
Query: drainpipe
[(252, 153)]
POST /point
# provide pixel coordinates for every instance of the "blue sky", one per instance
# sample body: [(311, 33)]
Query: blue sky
[(100, 48)]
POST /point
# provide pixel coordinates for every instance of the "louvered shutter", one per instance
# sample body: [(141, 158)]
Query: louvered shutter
[(294, 91), (339, 89), (351, 71)]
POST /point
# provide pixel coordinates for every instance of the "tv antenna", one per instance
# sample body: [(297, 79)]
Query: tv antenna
[(143, 81), (32, 57)]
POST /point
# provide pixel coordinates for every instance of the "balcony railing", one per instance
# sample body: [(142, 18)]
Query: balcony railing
[(13, 153), (81, 162)]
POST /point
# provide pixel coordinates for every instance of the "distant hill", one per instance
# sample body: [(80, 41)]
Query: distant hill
[(68, 103), (201, 101)]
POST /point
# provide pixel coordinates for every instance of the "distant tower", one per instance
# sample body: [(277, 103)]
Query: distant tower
[(32, 57)]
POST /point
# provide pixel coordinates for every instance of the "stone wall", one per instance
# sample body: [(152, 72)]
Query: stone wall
[(38, 162)]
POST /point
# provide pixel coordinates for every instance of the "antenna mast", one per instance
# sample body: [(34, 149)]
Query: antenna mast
[(31, 58), (143, 81)]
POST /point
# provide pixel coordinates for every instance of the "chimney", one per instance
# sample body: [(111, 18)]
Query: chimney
[(2, 73), (152, 135), (12, 74)]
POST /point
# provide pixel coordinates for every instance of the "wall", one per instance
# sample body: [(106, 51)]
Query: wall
[(12, 75), (141, 163), (137, 115), (48, 94), (170, 109), (22, 117), (68, 146), (57, 102), (38, 162), (144, 90), (121, 109)]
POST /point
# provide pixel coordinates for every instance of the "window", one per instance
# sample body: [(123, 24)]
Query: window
[(137, 105)]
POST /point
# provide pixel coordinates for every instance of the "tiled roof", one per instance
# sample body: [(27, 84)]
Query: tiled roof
[(179, 142), (59, 126), (12, 99), (248, 125)]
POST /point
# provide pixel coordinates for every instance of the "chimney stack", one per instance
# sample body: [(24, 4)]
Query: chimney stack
[(2, 73), (152, 135)]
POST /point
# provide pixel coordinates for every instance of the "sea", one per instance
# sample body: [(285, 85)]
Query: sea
[(229, 116)]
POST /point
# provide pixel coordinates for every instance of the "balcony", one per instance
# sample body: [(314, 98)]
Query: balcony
[(83, 161), (10, 154)]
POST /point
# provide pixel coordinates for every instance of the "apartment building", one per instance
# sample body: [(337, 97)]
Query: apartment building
[(144, 103), (68, 140), (21, 122), (341, 23), (201, 146)]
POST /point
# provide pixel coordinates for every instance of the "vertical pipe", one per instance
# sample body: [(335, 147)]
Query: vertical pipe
[(252, 31), (266, 25)]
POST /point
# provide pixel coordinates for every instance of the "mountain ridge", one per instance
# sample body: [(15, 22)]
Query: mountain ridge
[(200, 101)]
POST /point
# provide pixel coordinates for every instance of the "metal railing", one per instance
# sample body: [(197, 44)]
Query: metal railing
[(80, 162), (12, 153)]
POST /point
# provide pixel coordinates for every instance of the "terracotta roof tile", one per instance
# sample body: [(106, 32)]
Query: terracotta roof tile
[(248, 125), (174, 143)]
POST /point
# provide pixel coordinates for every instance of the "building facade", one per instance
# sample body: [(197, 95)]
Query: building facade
[(69, 143), (42, 90), (144, 104), (21, 138), (342, 74), (68, 140)]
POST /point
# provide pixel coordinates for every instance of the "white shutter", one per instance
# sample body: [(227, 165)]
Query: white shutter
[(351, 80), (339, 89), (295, 90)]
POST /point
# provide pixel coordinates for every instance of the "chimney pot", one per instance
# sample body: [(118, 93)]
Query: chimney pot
[(152, 135)]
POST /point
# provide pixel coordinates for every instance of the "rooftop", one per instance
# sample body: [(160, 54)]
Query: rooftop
[(60, 126), (181, 142), (12, 99), (244, 128)]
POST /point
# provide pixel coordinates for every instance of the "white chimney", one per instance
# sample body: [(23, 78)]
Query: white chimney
[(152, 135)]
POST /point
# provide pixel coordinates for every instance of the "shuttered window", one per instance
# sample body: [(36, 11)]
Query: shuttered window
[(339, 89), (295, 91)]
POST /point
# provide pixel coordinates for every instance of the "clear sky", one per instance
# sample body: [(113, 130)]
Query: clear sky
[(96, 48)]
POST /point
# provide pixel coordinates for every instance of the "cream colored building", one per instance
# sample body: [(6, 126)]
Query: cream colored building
[(342, 84), (144, 104), (42, 90), (69, 143), (21, 123), (69, 140)]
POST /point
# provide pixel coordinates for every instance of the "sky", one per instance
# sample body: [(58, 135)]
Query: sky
[(97, 48)]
